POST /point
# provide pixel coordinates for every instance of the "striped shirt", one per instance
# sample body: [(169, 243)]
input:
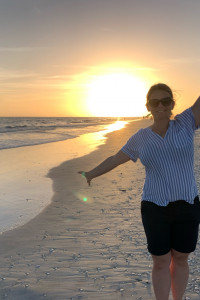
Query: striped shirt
[(168, 161)]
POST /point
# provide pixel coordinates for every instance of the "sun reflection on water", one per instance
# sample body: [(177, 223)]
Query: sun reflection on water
[(116, 126)]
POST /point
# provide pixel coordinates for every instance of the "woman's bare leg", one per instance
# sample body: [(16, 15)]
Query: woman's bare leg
[(161, 276), (179, 273)]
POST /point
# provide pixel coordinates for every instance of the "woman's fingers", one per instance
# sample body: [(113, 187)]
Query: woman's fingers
[(82, 173)]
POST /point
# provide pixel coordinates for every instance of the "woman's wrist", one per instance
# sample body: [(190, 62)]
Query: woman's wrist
[(88, 175)]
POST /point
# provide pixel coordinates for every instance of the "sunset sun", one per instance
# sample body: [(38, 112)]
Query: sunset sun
[(117, 95)]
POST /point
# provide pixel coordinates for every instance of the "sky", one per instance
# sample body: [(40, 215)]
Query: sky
[(96, 57)]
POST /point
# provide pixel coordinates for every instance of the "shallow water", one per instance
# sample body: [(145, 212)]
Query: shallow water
[(25, 189)]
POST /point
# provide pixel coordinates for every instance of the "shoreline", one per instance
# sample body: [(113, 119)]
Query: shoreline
[(23, 169), (84, 250)]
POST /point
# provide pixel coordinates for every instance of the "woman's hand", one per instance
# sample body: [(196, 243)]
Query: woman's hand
[(107, 165), (85, 174)]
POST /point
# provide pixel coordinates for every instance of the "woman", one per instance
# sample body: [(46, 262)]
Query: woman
[(170, 205)]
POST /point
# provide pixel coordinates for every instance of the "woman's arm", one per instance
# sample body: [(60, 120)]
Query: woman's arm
[(106, 166), (196, 112)]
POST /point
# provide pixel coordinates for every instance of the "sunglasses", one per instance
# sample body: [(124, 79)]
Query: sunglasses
[(165, 102)]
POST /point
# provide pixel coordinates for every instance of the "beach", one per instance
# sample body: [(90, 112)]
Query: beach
[(88, 242)]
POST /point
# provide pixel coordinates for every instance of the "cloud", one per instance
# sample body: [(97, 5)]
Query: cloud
[(19, 49), (11, 80), (10, 74), (184, 60)]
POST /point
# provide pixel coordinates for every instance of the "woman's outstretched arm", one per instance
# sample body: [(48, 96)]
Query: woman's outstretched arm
[(106, 166)]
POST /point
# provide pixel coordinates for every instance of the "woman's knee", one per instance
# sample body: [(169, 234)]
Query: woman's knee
[(179, 258), (162, 261)]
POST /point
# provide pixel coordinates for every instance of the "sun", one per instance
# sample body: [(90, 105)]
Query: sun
[(117, 95)]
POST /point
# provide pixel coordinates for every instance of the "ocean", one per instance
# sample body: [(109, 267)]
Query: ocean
[(20, 132), (29, 148)]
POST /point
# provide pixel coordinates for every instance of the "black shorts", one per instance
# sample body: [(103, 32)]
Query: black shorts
[(174, 226)]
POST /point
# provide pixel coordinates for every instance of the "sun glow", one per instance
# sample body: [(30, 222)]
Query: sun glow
[(117, 95)]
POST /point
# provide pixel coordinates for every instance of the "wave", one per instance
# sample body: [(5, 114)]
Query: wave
[(20, 132), (48, 124), (10, 143)]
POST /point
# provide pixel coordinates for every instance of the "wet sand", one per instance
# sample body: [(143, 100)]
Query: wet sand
[(89, 242)]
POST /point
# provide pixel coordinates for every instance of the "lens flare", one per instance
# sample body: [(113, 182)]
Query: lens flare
[(83, 197)]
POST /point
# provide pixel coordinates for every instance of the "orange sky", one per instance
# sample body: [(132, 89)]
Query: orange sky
[(53, 54)]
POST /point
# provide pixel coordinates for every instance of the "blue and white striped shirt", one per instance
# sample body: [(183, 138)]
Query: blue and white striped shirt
[(168, 161)]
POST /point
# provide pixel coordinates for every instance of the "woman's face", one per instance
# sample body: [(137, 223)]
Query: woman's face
[(158, 109)]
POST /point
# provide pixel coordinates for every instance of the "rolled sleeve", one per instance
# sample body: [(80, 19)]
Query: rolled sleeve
[(131, 148), (186, 119)]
